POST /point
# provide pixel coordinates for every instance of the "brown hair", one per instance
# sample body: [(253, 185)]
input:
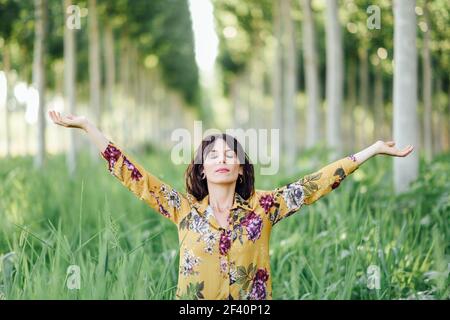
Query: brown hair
[(198, 187)]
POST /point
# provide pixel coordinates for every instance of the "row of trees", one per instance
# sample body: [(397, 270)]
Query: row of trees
[(351, 59), (336, 73), (77, 48)]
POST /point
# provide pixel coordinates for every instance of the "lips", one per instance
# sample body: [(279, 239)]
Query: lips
[(222, 170)]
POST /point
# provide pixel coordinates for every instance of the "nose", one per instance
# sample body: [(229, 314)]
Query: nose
[(222, 158)]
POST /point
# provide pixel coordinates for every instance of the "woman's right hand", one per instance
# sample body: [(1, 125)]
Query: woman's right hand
[(69, 121)]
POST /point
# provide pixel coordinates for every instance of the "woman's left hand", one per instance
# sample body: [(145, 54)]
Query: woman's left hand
[(388, 148)]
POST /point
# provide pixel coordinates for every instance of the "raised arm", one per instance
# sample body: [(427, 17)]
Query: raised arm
[(82, 123), (157, 194), (286, 200)]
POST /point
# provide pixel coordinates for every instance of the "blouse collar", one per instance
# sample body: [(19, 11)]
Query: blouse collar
[(239, 202)]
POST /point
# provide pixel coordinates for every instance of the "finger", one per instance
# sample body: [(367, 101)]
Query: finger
[(406, 151), (60, 120), (55, 116), (52, 115), (67, 118)]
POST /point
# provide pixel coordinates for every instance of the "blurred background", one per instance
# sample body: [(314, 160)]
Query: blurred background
[(332, 76)]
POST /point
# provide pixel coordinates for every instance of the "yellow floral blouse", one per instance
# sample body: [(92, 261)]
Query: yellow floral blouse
[(231, 263)]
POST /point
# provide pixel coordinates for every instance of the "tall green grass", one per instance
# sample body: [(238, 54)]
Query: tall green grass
[(127, 251)]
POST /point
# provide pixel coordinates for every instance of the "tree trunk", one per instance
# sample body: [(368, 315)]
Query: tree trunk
[(94, 70), (7, 69), (277, 78), (405, 93), (135, 94), (125, 85), (143, 90), (448, 110), (427, 89), (334, 85), (246, 86), (438, 136), (58, 74), (289, 86), (235, 101), (445, 118), (352, 84), (69, 89), (259, 89), (379, 104), (110, 70), (310, 58), (158, 105), (363, 95), (39, 76)]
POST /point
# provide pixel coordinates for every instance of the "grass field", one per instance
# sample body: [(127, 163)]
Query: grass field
[(127, 251)]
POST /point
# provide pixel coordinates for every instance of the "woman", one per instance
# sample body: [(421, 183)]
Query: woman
[(223, 223)]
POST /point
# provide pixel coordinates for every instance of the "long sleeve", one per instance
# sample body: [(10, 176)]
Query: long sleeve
[(286, 200), (157, 194)]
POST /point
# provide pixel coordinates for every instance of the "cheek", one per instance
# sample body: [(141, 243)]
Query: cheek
[(207, 168), (235, 170)]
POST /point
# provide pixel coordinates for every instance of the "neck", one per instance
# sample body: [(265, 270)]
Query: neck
[(221, 196)]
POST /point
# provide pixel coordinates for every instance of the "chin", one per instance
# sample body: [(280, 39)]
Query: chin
[(223, 181)]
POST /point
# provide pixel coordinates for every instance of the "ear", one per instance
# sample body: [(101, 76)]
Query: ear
[(241, 170), (202, 172)]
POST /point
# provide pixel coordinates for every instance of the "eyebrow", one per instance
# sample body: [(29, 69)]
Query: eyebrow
[(225, 150)]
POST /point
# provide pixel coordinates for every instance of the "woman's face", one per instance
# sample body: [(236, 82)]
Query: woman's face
[(221, 165)]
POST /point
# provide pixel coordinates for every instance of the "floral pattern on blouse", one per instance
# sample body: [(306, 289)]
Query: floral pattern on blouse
[(232, 262), (189, 263)]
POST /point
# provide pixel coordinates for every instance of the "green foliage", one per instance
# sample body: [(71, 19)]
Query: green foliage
[(127, 251), (252, 22), (9, 11), (193, 291), (161, 28)]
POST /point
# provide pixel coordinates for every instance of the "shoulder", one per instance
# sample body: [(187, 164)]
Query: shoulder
[(260, 197)]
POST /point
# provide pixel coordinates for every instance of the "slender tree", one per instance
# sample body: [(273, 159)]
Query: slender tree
[(94, 68), (310, 58), (379, 102), (277, 73), (405, 92), (334, 81), (6, 70), (69, 82), (427, 86), (289, 85), (363, 69), (39, 75), (110, 67)]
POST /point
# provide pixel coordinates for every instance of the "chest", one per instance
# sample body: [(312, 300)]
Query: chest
[(239, 230), (222, 218)]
